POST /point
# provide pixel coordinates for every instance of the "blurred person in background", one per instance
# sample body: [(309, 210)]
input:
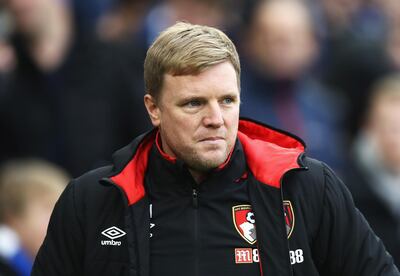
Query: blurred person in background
[(141, 21), (7, 60), (360, 52), (217, 14), (88, 12), (279, 88), (391, 9), (28, 192), (122, 26), (124, 21), (336, 17), (374, 178), (69, 99)]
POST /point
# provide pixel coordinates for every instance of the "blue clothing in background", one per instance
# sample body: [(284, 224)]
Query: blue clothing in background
[(303, 107)]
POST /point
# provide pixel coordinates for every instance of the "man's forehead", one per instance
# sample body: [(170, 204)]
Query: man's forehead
[(220, 70), (187, 86)]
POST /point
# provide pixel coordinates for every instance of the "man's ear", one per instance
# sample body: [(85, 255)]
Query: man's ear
[(153, 109)]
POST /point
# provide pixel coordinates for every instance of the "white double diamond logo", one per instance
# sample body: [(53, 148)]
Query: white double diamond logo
[(113, 233)]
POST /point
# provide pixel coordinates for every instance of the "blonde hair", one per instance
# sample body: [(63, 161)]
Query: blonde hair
[(186, 49), (22, 181)]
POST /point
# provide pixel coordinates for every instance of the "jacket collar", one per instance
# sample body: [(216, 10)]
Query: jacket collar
[(269, 153), (169, 176)]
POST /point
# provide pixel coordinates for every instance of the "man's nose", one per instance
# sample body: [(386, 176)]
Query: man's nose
[(213, 116)]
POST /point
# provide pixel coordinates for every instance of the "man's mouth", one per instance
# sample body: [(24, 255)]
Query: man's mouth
[(212, 138)]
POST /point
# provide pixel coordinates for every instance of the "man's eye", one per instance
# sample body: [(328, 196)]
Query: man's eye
[(227, 101), (193, 103)]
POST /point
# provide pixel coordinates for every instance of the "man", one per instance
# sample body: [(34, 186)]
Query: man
[(278, 83), (205, 193), (374, 177), (64, 91)]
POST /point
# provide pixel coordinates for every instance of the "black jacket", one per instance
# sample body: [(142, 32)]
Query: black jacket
[(380, 216), (89, 102), (306, 220)]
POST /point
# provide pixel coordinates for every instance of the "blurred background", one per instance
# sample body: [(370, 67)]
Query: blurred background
[(71, 93)]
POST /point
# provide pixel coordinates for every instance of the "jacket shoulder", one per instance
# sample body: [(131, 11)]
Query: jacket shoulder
[(314, 184), (310, 177), (94, 175), (92, 192), (306, 189), (89, 182)]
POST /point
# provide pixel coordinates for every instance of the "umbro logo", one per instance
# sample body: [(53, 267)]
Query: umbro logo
[(112, 233)]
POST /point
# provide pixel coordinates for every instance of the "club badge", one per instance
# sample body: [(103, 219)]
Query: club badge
[(244, 221), (289, 217)]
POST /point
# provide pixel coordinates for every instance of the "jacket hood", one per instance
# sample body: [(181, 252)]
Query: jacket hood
[(269, 152)]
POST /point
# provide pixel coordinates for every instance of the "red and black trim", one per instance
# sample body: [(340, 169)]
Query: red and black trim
[(131, 178), (159, 147), (269, 152)]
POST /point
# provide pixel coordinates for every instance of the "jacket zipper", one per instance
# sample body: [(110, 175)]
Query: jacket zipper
[(195, 199)]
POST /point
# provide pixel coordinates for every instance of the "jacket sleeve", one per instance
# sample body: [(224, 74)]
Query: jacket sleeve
[(62, 250), (345, 243)]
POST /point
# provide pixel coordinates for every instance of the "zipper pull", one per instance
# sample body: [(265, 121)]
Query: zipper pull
[(195, 199)]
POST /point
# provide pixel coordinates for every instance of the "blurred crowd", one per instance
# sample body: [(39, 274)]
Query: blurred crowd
[(71, 92)]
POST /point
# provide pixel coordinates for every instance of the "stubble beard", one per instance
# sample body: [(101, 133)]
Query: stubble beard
[(202, 164)]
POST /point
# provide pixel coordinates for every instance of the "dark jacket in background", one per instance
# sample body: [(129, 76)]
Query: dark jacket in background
[(385, 224), (304, 106), (75, 116), (375, 190)]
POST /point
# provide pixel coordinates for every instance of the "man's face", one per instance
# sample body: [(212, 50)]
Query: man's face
[(282, 41), (31, 225), (385, 129), (29, 16), (198, 116)]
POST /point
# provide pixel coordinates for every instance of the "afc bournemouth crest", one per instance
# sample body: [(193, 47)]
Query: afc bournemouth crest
[(244, 221), (289, 217)]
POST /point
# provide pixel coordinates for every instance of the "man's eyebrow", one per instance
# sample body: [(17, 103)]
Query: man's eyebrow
[(230, 94), (191, 98)]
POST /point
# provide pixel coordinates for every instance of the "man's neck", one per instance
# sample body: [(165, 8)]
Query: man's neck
[(198, 176)]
